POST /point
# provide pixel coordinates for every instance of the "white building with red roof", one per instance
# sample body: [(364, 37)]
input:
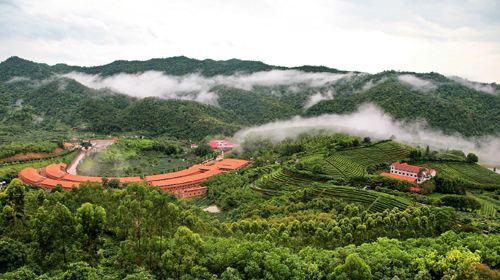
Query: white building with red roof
[(419, 174), (221, 144)]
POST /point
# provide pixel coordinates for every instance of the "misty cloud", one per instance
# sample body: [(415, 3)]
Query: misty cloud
[(317, 97), (475, 85), (195, 86), (416, 82), (371, 83), (26, 81), (17, 79), (371, 121)]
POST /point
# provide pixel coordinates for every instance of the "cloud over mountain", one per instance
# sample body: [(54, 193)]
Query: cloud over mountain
[(195, 86), (370, 120)]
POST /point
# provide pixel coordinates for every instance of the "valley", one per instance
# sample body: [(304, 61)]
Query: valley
[(204, 169)]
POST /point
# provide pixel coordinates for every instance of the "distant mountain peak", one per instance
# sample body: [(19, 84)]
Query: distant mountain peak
[(16, 59)]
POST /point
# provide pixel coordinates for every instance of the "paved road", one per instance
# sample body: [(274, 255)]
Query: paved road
[(97, 146)]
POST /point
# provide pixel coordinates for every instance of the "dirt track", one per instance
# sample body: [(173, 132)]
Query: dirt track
[(97, 145)]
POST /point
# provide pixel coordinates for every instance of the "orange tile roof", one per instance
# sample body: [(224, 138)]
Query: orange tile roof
[(197, 178), (195, 169), (187, 180), (128, 179), (55, 171), (30, 175), (78, 178), (231, 163), (51, 183), (399, 177)]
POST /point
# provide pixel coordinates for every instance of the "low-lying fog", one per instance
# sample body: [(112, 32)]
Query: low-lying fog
[(371, 121), (195, 86)]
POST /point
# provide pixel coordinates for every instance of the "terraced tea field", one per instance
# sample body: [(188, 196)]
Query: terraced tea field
[(280, 182), (470, 172), (489, 206), (375, 201), (353, 162), (379, 153), (345, 166)]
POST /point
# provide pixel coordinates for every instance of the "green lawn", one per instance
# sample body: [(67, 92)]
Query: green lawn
[(139, 163)]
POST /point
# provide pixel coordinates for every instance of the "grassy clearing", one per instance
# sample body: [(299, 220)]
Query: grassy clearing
[(121, 163)]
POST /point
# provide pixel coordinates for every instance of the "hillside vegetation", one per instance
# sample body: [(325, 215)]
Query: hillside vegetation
[(279, 219), (35, 97), (310, 207)]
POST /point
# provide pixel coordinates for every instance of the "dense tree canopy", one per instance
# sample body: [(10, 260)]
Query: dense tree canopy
[(311, 207), (449, 106)]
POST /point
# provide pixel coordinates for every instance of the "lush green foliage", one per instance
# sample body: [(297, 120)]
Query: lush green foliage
[(138, 157), (53, 103), (94, 232), (23, 147), (459, 175), (309, 208), (450, 107)]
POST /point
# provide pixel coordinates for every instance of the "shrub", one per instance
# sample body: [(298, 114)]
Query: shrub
[(471, 158), (460, 202), (449, 186)]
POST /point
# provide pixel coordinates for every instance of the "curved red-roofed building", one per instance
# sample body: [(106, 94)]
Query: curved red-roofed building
[(183, 184), (30, 176), (195, 169), (55, 171)]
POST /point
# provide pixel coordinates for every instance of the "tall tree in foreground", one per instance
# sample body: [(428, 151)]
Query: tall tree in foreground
[(354, 268), (53, 230), (91, 221)]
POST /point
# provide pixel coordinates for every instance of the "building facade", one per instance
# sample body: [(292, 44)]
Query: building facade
[(419, 173)]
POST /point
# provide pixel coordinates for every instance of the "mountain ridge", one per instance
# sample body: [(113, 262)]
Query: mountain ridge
[(444, 103)]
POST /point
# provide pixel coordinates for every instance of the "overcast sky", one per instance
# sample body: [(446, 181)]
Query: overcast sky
[(451, 37)]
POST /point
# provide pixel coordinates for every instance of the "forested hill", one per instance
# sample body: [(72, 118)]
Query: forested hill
[(35, 95), (450, 107), (179, 65)]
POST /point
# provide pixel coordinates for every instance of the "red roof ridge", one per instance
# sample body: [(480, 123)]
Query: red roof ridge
[(399, 177), (407, 167), (187, 180)]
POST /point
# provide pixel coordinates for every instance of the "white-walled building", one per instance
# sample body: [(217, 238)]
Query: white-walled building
[(421, 174)]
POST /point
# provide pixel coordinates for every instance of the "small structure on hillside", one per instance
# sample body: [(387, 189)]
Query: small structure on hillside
[(410, 173), (221, 144), (69, 146), (220, 156)]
